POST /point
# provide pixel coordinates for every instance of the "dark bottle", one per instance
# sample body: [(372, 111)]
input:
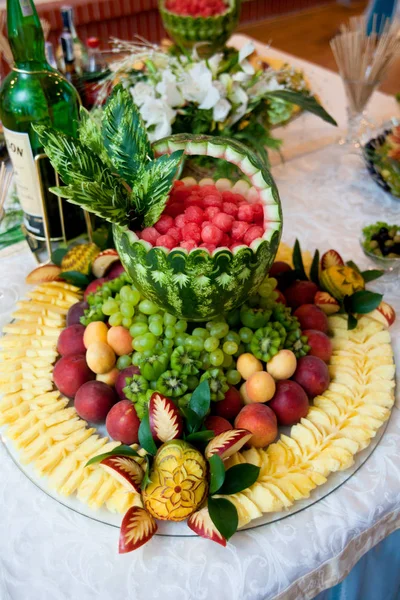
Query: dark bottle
[(79, 49), (34, 93), (96, 69)]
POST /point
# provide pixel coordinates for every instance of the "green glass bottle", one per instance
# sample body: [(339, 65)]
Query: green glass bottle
[(35, 93)]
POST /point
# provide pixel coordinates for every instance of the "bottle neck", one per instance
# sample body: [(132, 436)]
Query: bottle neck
[(67, 17), (25, 36)]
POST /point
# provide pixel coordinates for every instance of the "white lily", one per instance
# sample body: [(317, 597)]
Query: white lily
[(141, 92), (157, 113), (198, 87), (221, 110), (169, 90), (243, 54)]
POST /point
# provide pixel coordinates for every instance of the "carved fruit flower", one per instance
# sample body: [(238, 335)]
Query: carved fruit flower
[(341, 281), (178, 482)]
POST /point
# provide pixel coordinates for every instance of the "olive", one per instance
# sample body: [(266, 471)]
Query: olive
[(383, 231)]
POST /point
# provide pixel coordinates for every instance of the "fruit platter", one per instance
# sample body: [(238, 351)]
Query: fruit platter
[(200, 374), (382, 156)]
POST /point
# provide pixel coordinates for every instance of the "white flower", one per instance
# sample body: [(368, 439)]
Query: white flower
[(243, 54), (266, 83), (214, 62), (221, 110), (238, 95), (158, 116), (168, 89), (141, 92), (198, 87)]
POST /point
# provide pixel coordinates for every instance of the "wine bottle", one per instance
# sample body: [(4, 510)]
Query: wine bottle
[(95, 71), (79, 48), (34, 93)]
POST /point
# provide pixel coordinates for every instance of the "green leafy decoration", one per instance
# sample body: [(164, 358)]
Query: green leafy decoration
[(239, 478), (201, 399), (298, 261), (217, 473), (200, 436), (371, 275), (75, 278), (90, 135), (353, 265), (58, 255), (224, 516), (192, 420), (124, 135), (314, 271), (121, 450), (146, 477), (351, 322), (145, 437), (306, 102), (363, 302)]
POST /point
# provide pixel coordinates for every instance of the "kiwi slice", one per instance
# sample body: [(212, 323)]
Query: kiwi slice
[(217, 382), (185, 361), (267, 341), (172, 384)]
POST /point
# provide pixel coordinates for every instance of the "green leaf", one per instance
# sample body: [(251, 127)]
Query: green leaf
[(145, 437), (121, 450), (217, 473), (124, 135), (363, 302), (201, 399), (224, 516), (371, 275), (90, 134), (353, 265), (150, 193), (58, 255), (314, 271), (146, 477), (351, 322), (298, 261), (193, 421), (200, 436), (239, 478), (75, 278), (306, 102)]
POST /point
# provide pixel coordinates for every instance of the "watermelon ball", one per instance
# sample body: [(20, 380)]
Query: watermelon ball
[(253, 232), (211, 235), (245, 213), (167, 241), (191, 231), (212, 200), (150, 234), (174, 209), (230, 208), (188, 245), (180, 221), (223, 222), (164, 223), (258, 212), (239, 228), (210, 212), (175, 233), (194, 214), (225, 241), (209, 247)]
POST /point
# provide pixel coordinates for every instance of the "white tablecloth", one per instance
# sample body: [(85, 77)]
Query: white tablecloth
[(48, 552)]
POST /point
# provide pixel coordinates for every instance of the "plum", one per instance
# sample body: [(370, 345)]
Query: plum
[(261, 421), (122, 423), (300, 292), (290, 403), (230, 406), (122, 377), (93, 285), (116, 270), (75, 312), (311, 316), (320, 344), (94, 400), (313, 375), (70, 373), (217, 424), (279, 267), (70, 340)]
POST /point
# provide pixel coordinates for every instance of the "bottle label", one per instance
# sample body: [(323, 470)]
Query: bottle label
[(26, 179), (26, 8)]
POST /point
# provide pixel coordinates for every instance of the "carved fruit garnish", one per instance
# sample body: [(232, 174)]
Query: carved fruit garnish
[(103, 262), (137, 528), (331, 258), (165, 421), (80, 258), (43, 274), (341, 281), (327, 303), (126, 470), (385, 314), (178, 482), (227, 443), (200, 522)]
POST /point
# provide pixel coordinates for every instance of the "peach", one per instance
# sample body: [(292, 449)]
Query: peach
[(95, 332), (282, 365), (247, 364), (122, 377), (217, 424), (75, 312), (120, 340), (319, 343), (243, 394), (260, 387), (92, 287), (300, 292), (313, 375), (230, 406), (311, 316), (100, 357), (94, 400), (261, 421), (109, 378), (70, 372), (290, 403), (70, 340), (122, 423)]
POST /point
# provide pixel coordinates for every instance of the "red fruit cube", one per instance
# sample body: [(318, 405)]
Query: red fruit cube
[(191, 231), (212, 200), (150, 234), (211, 235), (194, 214), (180, 221), (245, 213), (164, 223), (167, 241), (223, 221), (230, 208), (239, 228), (253, 232), (210, 212), (175, 233), (258, 212), (188, 245)]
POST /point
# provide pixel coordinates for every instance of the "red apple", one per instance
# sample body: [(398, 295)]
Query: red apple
[(313, 375), (290, 402), (319, 343), (122, 423), (137, 527), (230, 406), (217, 424), (227, 443), (312, 317), (300, 292), (70, 373), (94, 400)]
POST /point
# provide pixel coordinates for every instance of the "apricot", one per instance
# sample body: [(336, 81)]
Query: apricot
[(282, 365), (109, 378), (120, 340), (217, 424), (95, 332), (261, 421), (260, 387), (313, 375), (122, 423), (100, 357), (70, 340), (70, 372), (94, 400), (247, 364), (311, 316), (244, 395), (230, 406)]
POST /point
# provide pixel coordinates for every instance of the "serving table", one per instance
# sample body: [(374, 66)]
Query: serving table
[(48, 552)]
